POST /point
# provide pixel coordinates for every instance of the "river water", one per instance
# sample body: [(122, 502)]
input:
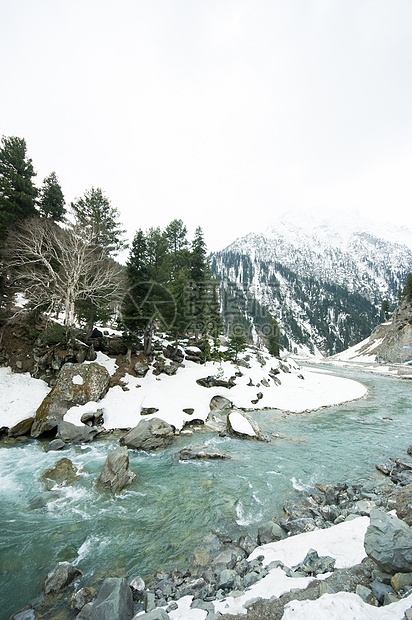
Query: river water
[(164, 516)]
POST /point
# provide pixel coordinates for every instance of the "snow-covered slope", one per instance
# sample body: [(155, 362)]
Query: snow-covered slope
[(324, 282)]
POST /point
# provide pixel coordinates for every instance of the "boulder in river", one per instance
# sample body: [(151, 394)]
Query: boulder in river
[(388, 541), (76, 384), (62, 473), (60, 577), (243, 425), (205, 452), (116, 474), (149, 435), (114, 601)]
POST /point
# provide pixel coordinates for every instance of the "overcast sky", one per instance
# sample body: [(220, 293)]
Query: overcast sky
[(222, 113)]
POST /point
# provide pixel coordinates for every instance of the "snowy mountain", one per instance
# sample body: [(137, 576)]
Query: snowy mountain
[(323, 281)]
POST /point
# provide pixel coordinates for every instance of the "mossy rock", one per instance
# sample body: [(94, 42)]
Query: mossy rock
[(62, 473)]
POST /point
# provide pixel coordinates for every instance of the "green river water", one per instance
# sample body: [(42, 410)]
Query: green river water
[(163, 517)]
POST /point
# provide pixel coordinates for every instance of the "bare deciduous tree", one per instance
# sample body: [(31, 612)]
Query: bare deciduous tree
[(58, 267)]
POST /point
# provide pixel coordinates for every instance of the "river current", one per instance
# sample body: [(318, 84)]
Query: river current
[(163, 517)]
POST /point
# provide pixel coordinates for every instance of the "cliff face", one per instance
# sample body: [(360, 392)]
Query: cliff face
[(396, 346)]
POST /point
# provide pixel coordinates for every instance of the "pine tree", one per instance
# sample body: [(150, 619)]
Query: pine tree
[(198, 263), (94, 213), (51, 202), (175, 234), (17, 191), (385, 309), (237, 344), (273, 338), (97, 221), (199, 273)]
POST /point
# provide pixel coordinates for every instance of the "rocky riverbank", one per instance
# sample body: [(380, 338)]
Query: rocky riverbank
[(370, 558)]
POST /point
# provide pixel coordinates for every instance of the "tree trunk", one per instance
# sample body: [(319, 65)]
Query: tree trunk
[(92, 318), (147, 338)]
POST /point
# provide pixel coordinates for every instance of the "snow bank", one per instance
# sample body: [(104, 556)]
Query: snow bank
[(344, 542), (300, 390), (342, 606), (20, 396)]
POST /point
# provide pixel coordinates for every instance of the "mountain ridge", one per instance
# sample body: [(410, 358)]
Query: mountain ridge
[(324, 285)]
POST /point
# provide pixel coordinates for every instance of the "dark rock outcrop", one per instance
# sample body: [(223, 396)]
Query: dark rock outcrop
[(397, 342), (212, 381), (76, 384), (149, 435)]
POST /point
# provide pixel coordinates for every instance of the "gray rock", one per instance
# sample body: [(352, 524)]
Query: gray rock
[(380, 590), (76, 384), (70, 433), (62, 473), (247, 543), (206, 452), (114, 601), (226, 579), (60, 577), (365, 594), (388, 541), (116, 474), (156, 614), (141, 369), (82, 597), (199, 604), (55, 444), (250, 578), (149, 602), (85, 612), (149, 435), (228, 557), (26, 614), (315, 565), (220, 403), (270, 532)]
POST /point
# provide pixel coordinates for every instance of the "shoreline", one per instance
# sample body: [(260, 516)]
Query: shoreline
[(270, 577)]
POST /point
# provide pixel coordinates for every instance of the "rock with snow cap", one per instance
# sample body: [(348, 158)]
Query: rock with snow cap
[(243, 425)]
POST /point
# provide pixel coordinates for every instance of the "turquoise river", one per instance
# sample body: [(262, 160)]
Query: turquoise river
[(163, 517)]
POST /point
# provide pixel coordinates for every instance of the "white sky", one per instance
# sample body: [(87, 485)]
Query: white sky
[(218, 112)]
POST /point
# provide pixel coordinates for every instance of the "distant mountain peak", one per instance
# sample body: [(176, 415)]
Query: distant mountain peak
[(322, 277)]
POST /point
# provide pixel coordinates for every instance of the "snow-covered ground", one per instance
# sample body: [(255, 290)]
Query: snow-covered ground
[(20, 396), (299, 390)]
